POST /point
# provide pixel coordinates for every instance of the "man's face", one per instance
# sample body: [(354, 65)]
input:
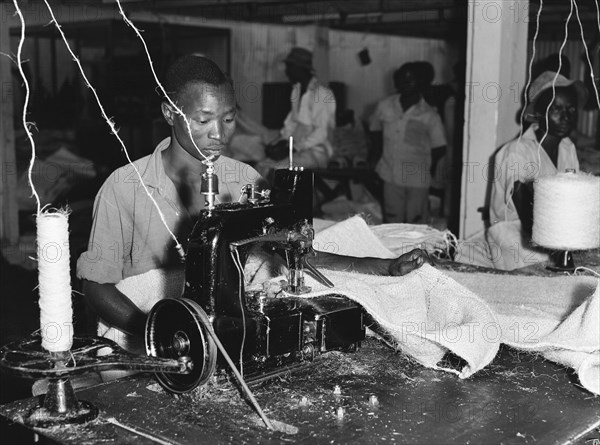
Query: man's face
[(407, 83), (211, 112), (562, 115)]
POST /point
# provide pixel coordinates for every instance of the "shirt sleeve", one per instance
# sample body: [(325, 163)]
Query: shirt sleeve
[(437, 135), (375, 122), (509, 166), (323, 120), (103, 260), (289, 124)]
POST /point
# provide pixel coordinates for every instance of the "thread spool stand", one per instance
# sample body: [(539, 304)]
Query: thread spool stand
[(566, 216), (28, 359), (60, 406), (563, 261)]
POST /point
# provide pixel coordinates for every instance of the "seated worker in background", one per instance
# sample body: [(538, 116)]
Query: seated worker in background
[(544, 149), (310, 120), (411, 136), (128, 237)]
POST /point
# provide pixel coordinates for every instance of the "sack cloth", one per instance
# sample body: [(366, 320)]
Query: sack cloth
[(558, 317), (429, 312)]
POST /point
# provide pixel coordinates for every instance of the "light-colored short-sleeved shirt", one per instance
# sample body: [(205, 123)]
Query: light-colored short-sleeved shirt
[(524, 160), (311, 119), (408, 137), (128, 237)]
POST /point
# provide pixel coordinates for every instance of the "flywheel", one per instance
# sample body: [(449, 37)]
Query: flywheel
[(178, 327)]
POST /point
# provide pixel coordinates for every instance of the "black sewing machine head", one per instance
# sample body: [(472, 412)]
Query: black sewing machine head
[(266, 330)]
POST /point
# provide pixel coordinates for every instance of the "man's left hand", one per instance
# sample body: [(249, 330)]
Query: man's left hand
[(408, 262)]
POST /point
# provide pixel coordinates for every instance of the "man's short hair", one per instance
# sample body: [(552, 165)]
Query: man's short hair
[(192, 69)]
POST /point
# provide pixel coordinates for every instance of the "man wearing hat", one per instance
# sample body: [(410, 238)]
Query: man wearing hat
[(544, 149), (310, 120)]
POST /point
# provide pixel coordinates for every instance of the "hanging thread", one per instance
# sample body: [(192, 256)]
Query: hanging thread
[(162, 89), (56, 310), (530, 70), (566, 212), (587, 54), (25, 105), (115, 132), (560, 51)]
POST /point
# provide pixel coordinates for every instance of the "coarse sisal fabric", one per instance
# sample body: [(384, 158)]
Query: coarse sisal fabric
[(429, 312)]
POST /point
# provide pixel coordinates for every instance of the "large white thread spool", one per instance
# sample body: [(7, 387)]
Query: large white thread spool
[(56, 310), (566, 212)]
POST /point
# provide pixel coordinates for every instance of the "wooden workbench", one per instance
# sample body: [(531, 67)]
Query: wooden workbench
[(519, 398)]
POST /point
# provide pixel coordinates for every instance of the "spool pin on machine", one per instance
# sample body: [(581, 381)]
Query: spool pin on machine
[(216, 322)]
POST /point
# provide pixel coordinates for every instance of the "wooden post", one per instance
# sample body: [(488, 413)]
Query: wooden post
[(495, 78), (9, 221)]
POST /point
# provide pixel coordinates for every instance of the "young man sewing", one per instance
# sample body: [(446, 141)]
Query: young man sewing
[(544, 149), (128, 237)]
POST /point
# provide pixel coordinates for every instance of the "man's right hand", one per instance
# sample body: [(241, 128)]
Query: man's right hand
[(408, 262)]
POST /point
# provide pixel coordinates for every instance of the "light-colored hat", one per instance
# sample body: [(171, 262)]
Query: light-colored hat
[(544, 82), (300, 57)]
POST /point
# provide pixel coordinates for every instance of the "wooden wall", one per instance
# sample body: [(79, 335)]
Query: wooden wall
[(257, 52), (367, 84)]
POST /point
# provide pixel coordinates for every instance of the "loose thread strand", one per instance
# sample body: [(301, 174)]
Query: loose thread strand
[(530, 68), (560, 51), (587, 55), (177, 109), (25, 105), (526, 89), (112, 127)]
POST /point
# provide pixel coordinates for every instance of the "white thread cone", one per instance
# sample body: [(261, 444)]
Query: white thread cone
[(566, 212), (56, 310)]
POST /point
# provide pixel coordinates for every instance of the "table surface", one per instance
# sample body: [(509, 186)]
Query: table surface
[(520, 398)]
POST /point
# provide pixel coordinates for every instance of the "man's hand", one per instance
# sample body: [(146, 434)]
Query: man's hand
[(408, 262)]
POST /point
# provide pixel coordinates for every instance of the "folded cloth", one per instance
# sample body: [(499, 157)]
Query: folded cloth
[(402, 238), (341, 239), (426, 313), (381, 241), (502, 246), (556, 317)]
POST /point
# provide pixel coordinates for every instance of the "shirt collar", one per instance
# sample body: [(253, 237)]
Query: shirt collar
[(155, 175), (530, 135), (416, 108)]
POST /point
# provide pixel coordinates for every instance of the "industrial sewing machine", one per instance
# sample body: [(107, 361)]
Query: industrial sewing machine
[(217, 321), (262, 332)]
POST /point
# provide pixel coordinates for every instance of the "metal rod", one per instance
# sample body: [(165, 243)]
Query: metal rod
[(240, 379)]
